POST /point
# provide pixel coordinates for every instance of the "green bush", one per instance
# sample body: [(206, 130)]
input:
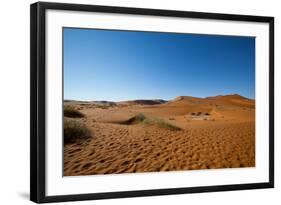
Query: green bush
[(74, 131), (70, 111)]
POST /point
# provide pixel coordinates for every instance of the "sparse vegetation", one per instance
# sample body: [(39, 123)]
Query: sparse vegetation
[(70, 111), (161, 123), (141, 118), (102, 106), (74, 131), (136, 119), (171, 118), (200, 113)]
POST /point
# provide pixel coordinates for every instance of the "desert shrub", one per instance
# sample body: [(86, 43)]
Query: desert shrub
[(141, 118), (74, 131), (171, 118), (161, 123), (193, 113), (136, 119), (207, 113), (70, 111), (102, 106)]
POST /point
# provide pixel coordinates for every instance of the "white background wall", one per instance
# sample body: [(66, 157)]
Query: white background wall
[(14, 100)]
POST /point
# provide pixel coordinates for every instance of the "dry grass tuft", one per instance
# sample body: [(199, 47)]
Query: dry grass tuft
[(161, 123), (74, 131), (102, 106), (70, 111), (141, 118)]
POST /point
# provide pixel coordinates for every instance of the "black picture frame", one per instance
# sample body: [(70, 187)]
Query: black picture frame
[(38, 104)]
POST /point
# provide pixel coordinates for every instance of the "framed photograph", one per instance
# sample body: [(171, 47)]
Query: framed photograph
[(129, 102)]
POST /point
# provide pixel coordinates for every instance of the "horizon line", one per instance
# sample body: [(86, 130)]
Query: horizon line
[(233, 94)]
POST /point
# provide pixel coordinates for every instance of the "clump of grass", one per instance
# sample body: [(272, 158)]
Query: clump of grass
[(141, 118), (70, 111), (102, 106), (161, 123), (136, 119), (74, 131)]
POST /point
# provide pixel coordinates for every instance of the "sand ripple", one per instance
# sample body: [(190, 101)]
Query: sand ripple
[(116, 148)]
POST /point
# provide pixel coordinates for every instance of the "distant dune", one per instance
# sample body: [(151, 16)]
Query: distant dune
[(143, 102), (184, 133), (234, 99), (220, 99)]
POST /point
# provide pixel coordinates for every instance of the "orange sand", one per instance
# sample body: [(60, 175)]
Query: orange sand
[(224, 138)]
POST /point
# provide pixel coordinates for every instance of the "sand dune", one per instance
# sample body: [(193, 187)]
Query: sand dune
[(214, 132)]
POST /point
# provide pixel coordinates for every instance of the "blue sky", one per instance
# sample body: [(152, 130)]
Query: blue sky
[(126, 65)]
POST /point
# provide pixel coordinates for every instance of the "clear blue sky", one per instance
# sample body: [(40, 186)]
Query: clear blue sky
[(125, 65)]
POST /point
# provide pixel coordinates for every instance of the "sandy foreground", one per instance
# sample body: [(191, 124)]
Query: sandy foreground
[(215, 132)]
